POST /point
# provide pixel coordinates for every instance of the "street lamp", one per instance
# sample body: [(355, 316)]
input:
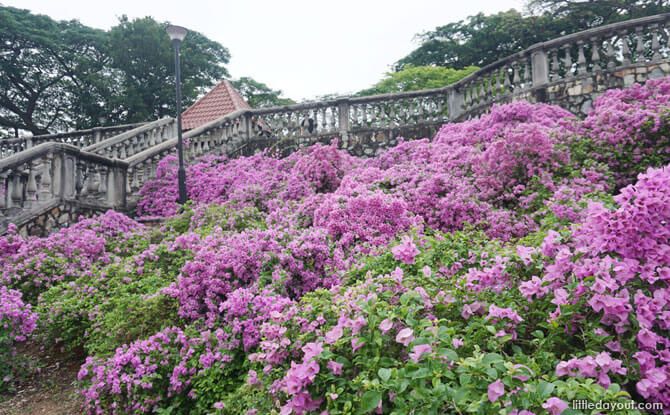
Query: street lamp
[(177, 34)]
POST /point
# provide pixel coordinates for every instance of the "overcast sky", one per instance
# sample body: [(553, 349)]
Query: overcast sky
[(304, 48)]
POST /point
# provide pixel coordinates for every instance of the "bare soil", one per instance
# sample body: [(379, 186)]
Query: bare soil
[(50, 392)]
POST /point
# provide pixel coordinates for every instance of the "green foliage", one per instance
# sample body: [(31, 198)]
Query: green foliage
[(63, 75), (142, 51), (48, 69), (412, 78), (483, 39), (114, 305), (259, 95)]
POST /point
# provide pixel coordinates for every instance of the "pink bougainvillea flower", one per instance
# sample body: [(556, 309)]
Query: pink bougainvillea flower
[(385, 325), (419, 350), (405, 336), (333, 335), (406, 251), (496, 390), (555, 406), (335, 367)]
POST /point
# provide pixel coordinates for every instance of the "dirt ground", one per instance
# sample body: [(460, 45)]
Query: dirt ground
[(50, 392)]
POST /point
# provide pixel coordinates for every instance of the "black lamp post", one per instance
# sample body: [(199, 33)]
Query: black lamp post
[(177, 34)]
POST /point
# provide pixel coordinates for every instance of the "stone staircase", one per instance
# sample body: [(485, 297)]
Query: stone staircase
[(47, 182)]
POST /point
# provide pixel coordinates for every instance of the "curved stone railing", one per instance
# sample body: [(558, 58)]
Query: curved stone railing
[(569, 71), (79, 138), (135, 141), (44, 179), (579, 64)]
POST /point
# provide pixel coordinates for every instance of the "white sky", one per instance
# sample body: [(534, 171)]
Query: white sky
[(305, 48)]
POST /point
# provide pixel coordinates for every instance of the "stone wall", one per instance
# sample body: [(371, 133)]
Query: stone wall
[(61, 215)]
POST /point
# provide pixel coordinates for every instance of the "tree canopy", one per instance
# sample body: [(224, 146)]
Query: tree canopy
[(43, 63), (413, 78), (258, 94), (483, 39), (62, 75)]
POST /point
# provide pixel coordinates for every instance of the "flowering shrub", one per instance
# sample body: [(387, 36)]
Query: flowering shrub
[(629, 129), (17, 322), (492, 269)]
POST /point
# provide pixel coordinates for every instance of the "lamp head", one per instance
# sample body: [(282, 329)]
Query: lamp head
[(176, 33)]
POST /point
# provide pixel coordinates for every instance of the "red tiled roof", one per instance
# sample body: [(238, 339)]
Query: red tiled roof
[(221, 100)]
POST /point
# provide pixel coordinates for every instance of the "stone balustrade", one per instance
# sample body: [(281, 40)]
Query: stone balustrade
[(134, 141), (52, 177), (79, 138), (86, 172), (570, 70)]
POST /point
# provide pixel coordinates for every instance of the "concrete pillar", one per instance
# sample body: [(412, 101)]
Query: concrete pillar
[(343, 109), (540, 68), (455, 103), (116, 186)]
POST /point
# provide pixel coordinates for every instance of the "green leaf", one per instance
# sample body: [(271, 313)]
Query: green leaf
[(370, 400), (420, 373), (544, 389), (449, 354), (384, 374), (538, 334), (491, 358)]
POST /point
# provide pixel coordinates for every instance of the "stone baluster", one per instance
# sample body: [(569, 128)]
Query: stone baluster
[(581, 59), (516, 80), (333, 119), (639, 47), (392, 113), (83, 178), (102, 173), (129, 180), (3, 191), (94, 181), (498, 88), (568, 62), (625, 50), (17, 189), (134, 146), (324, 122), (315, 113), (507, 84), (474, 91), (555, 67), (146, 172), (206, 146), (595, 55), (466, 96), (609, 52), (655, 44), (410, 116), (45, 192), (527, 77), (31, 185)]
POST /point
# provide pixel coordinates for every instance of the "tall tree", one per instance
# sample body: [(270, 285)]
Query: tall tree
[(56, 76), (413, 78), (42, 67), (482, 39), (598, 12), (142, 51), (259, 95)]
